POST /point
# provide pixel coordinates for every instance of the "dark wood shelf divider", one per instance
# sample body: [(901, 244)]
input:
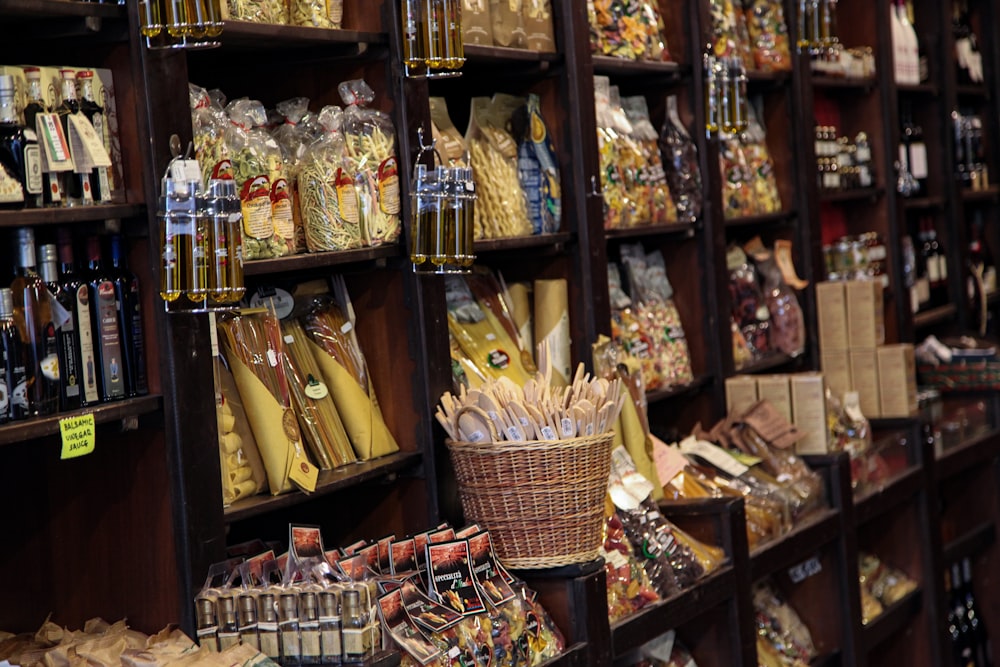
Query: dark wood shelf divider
[(991, 193), (659, 395), (319, 260), (971, 543), (811, 535), (480, 54), (933, 316), (106, 413), (851, 196), (70, 214), (922, 203), (781, 217), (249, 35), (677, 229), (769, 363), (895, 617), (897, 490), (539, 241), (46, 9), (624, 67), (864, 84), (957, 460)]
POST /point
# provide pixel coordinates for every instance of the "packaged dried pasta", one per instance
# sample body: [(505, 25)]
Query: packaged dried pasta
[(254, 350), (243, 472), (767, 198), (489, 294), (781, 627), (501, 210), (738, 195), (508, 23), (629, 331), (610, 143), (540, 33), (259, 11), (727, 38), (293, 139), (334, 344), (328, 201), (651, 173), (477, 25), (680, 159), (629, 588), (208, 124), (883, 582), (768, 35), (450, 142), (318, 417), (370, 145), (536, 161), (317, 13), (632, 164), (749, 308), (647, 526)]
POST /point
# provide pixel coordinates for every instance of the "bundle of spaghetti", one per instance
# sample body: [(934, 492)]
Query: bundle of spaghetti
[(329, 329), (317, 414), (255, 340)]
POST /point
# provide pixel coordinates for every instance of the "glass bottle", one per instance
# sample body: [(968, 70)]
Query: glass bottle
[(435, 24), (76, 187), (105, 313), (61, 302), (100, 186), (248, 622), (465, 200), (52, 194), (130, 321), (454, 53), (980, 640), (267, 626), (312, 653), (207, 626), (175, 17), (958, 626), (712, 114), (19, 151), (444, 224), (74, 284), (14, 402), (150, 22), (414, 34), (288, 629), (225, 251), (33, 316), (229, 631), (329, 626), (352, 624), (177, 212)]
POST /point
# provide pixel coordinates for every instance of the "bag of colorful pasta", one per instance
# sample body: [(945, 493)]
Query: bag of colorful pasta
[(293, 140), (501, 210), (661, 205), (259, 11), (317, 13), (370, 145), (328, 200), (208, 123)]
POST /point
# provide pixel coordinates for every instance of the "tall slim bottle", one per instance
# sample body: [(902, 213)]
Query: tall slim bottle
[(65, 330), (33, 318), (100, 186), (130, 321), (19, 146), (51, 194), (13, 354), (104, 310), (74, 284), (76, 186)]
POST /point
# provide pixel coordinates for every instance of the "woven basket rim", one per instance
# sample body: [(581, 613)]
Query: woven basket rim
[(508, 446)]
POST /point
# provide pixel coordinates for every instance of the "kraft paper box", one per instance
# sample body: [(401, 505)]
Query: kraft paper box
[(741, 393), (864, 370), (775, 390), (836, 367), (831, 310), (809, 412), (865, 314), (897, 374)]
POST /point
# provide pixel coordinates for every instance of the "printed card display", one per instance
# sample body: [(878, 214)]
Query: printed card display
[(451, 580), (484, 567), (354, 567), (402, 628), (306, 542), (370, 554), (427, 613), (420, 547), (384, 555), (446, 534), (403, 556), (352, 549), (333, 556), (255, 566)]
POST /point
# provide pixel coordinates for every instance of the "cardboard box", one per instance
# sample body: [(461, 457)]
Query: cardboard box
[(865, 314), (897, 375), (775, 390), (836, 367), (741, 393), (831, 307), (864, 371), (809, 412)]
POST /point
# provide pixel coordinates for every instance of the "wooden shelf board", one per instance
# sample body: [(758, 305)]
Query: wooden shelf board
[(573, 655), (922, 203), (544, 241), (69, 214), (257, 36), (972, 90), (856, 83), (831, 659), (105, 413), (478, 53), (329, 482), (55, 8), (939, 315), (684, 230), (652, 621), (971, 543), (658, 395), (918, 88), (768, 363), (764, 219), (613, 66), (895, 617), (317, 260), (851, 196), (893, 423), (989, 194), (967, 455), (896, 491), (802, 542), (761, 79)]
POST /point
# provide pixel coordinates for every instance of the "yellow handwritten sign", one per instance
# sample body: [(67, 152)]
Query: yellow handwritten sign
[(78, 436)]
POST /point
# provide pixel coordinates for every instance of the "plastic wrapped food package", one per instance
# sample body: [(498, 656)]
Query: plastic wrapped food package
[(648, 527), (370, 147), (766, 197), (259, 11), (768, 35), (612, 130), (781, 628), (651, 172), (501, 209), (680, 160), (738, 194), (629, 588), (631, 29), (728, 32), (294, 137), (317, 13), (508, 23), (749, 308), (328, 201), (209, 123), (539, 172), (788, 327), (883, 582), (629, 331)]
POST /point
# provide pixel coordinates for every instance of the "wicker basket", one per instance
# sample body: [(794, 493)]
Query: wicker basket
[(542, 501)]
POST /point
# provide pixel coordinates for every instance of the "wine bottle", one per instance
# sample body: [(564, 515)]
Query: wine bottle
[(33, 317), (958, 626), (105, 313), (100, 185), (130, 321), (61, 303), (19, 147), (52, 194), (980, 640), (13, 374), (76, 186), (74, 284)]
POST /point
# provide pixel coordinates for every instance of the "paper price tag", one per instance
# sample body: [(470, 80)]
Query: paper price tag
[(55, 155), (86, 146), (668, 460), (802, 571), (78, 436), (715, 455)]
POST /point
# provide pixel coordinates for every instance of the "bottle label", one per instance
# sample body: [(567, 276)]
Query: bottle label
[(354, 641), (281, 210), (140, 382), (904, 158), (256, 204), (69, 365), (943, 267), (113, 377), (290, 647), (33, 169), (310, 644), (933, 270), (918, 160), (388, 186), (88, 363), (331, 644), (347, 198), (103, 184)]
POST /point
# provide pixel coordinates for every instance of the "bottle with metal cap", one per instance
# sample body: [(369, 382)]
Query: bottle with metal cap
[(288, 628), (19, 153), (76, 187), (312, 653), (225, 253), (207, 625), (177, 214), (64, 323), (32, 315), (229, 631), (267, 626), (248, 621), (99, 177), (352, 626), (329, 626), (12, 374)]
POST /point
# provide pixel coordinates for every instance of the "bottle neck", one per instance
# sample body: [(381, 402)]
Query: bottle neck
[(26, 258), (68, 91), (87, 90), (8, 114), (48, 272), (35, 92)]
